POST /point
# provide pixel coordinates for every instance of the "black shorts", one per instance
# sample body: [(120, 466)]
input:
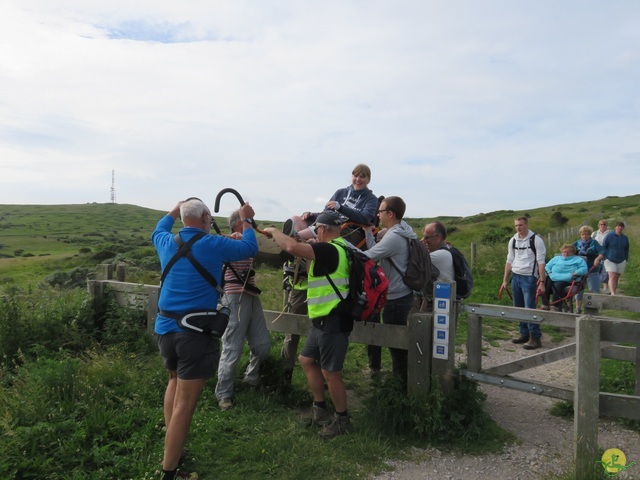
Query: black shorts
[(192, 355), (329, 349)]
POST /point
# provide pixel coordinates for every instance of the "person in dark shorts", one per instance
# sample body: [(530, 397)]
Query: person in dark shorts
[(190, 357), (323, 354)]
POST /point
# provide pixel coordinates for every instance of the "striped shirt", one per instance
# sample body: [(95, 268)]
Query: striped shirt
[(231, 282)]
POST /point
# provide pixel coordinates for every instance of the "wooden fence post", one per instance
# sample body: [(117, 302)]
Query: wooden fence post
[(445, 318), (474, 343), (104, 271), (151, 292), (637, 392), (586, 404), (121, 270), (420, 327), (474, 251)]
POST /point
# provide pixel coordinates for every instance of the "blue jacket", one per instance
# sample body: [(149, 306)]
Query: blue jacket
[(616, 247), (360, 206), (184, 289), (561, 269), (589, 251)]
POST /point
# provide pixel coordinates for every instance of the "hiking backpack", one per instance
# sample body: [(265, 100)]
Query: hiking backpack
[(532, 246), (420, 273), (368, 287), (461, 271)]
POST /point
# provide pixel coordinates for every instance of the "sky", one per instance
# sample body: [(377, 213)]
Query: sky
[(458, 107)]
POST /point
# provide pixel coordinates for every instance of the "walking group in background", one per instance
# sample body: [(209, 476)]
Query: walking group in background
[(201, 272), (532, 276)]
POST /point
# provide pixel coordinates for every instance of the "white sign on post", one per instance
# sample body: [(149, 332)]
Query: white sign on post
[(441, 310), (441, 351)]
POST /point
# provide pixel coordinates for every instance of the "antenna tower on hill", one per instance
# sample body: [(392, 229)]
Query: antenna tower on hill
[(113, 186)]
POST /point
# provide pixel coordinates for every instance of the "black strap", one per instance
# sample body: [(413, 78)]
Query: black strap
[(394, 265), (329, 278), (184, 250), (240, 280), (334, 287), (532, 246)]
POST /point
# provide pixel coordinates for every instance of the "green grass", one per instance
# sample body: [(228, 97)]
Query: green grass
[(81, 395)]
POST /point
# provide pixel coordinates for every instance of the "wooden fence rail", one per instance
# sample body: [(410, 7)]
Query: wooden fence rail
[(596, 337), (416, 337)]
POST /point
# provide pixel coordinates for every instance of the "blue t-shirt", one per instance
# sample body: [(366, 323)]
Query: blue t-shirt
[(184, 289)]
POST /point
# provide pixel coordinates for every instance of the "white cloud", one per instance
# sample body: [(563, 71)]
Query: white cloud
[(460, 108)]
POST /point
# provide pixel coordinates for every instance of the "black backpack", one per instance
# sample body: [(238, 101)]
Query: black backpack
[(532, 246), (368, 287), (461, 271), (420, 273)]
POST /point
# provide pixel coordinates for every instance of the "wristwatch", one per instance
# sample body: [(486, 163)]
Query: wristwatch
[(248, 220)]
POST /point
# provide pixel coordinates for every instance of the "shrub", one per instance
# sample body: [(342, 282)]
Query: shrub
[(435, 417), (496, 235), (71, 279), (557, 219)]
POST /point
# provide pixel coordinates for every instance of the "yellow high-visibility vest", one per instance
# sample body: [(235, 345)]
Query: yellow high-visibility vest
[(321, 297)]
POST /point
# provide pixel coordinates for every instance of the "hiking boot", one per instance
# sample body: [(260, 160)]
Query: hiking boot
[(521, 339), (532, 344), (180, 475), (320, 416), (341, 425), (225, 404)]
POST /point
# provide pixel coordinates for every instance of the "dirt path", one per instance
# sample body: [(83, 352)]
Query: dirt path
[(545, 442)]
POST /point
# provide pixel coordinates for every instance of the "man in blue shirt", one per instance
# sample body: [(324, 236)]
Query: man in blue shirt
[(189, 356)]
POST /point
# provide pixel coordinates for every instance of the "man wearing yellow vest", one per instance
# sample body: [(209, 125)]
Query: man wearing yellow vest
[(324, 351)]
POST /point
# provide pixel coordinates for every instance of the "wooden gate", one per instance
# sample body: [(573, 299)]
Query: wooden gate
[(596, 337)]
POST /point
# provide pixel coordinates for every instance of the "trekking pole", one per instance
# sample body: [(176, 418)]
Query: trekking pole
[(216, 207)]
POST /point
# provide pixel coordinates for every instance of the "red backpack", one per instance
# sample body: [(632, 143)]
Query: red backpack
[(368, 287)]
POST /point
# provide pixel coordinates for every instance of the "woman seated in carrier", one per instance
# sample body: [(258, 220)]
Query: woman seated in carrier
[(355, 203), (562, 270)]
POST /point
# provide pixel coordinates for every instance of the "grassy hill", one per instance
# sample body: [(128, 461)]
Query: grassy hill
[(37, 240), (81, 393)]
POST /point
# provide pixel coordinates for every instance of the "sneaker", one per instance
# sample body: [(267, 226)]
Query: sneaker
[(554, 308), (341, 425), (225, 404), (532, 344), (578, 311), (521, 339), (544, 307)]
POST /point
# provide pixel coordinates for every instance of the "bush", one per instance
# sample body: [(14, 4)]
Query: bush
[(64, 320), (557, 219), (496, 235), (434, 417), (71, 279)]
